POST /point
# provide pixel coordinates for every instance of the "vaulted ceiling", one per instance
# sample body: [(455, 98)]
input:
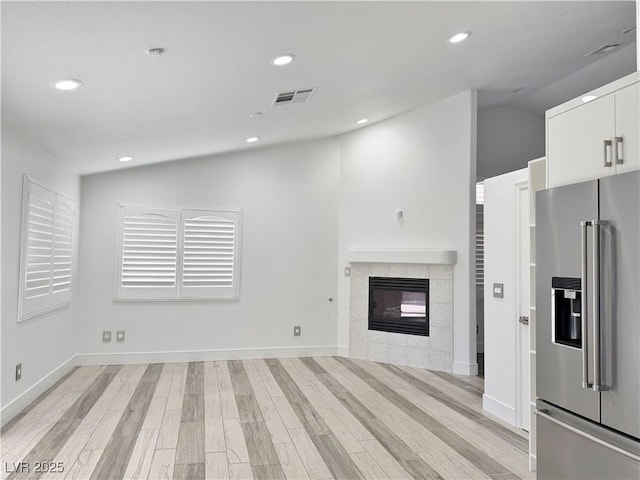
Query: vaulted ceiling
[(366, 59)]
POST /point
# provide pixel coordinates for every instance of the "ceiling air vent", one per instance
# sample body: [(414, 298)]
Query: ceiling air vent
[(603, 49), (294, 96)]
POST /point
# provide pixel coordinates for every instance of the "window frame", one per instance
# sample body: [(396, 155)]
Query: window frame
[(49, 302), (137, 294)]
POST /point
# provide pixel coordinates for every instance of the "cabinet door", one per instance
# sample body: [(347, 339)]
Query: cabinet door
[(628, 127), (575, 142)]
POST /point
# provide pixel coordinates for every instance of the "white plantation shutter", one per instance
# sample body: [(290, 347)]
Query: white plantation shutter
[(148, 252), (46, 250), (62, 249), (209, 254), (177, 254)]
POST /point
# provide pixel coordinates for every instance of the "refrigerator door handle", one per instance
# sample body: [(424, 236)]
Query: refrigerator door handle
[(597, 381), (543, 413), (584, 306)]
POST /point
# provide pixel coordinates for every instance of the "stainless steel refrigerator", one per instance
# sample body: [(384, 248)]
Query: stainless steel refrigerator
[(588, 329)]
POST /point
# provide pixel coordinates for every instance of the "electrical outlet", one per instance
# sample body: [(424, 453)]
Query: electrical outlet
[(120, 336), (296, 331), (18, 371), (106, 336)]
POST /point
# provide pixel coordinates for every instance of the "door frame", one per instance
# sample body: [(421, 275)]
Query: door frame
[(520, 405)]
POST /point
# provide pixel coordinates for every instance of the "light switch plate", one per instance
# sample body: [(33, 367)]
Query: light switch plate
[(106, 336), (120, 336), (18, 371), (498, 290), (347, 271), (296, 331)]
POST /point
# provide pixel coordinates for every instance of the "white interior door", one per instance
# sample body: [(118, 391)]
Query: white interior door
[(523, 383)]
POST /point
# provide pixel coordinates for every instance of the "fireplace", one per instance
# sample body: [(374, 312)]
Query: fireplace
[(399, 305)]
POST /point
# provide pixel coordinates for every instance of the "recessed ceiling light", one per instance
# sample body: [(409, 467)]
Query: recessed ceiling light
[(588, 98), (252, 139), (459, 37), (67, 84), (126, 158), (362, 121), (281, 60)]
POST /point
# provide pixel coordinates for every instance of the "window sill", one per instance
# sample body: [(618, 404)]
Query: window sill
[(176, 300), (44, 311)]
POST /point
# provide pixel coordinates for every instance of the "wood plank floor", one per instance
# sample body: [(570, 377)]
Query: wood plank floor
[(303, 418)]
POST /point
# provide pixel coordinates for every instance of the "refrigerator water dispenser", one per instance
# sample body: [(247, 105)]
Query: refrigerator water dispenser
[(566, 299)]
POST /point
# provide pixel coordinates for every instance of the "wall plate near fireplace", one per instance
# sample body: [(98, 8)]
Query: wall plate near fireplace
[(399, 305)]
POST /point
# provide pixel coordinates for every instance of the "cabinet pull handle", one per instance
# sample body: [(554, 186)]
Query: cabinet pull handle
[(617, 149), (607, 156)]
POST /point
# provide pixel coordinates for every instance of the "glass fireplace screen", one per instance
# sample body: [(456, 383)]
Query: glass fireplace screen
[(399, 305)]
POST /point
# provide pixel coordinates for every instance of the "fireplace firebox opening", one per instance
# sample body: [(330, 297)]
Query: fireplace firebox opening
[(399, 305)]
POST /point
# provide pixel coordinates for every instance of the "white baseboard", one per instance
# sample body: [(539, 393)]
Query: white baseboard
[(19, 403), (463, 368), (342, 352), (204, 355), (499, 409)]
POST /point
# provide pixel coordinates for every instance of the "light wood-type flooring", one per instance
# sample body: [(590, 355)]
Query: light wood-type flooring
[(304, 418)]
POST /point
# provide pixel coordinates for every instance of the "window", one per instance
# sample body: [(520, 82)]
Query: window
[(177, 254), (46, 250)]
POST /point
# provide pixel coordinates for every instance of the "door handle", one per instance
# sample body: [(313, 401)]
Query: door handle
[(607, 156), (584, 305), (597, 381), (524, 320)]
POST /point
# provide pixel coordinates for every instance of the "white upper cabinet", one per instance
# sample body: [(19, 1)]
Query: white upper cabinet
[(595, 139), (628, 127), (577, 146)]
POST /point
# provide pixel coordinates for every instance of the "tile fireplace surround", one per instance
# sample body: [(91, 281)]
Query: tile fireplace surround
[(434, 352)]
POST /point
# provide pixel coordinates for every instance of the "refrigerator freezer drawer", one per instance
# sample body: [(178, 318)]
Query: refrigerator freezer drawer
[(566, 450)]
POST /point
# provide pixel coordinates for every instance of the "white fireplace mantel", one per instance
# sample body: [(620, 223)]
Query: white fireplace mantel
[(430, 256)]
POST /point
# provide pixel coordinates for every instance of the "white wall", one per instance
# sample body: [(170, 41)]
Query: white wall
[(44, 343), (508, 138), (289, 200), (500, 313), (422, 162)]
